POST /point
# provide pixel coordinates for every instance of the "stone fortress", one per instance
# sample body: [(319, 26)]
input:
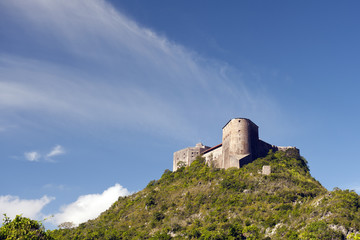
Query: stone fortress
[(240, 145)]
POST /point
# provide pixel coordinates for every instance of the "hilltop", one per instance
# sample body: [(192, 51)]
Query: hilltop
[(203, 202)]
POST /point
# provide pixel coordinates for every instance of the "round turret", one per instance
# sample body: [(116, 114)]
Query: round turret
[(240, 138)]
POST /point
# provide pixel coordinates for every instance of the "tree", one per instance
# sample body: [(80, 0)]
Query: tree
[(22, 228), (181, 164), (66, 225)]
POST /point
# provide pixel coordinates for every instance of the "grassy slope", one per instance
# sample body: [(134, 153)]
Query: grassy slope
[(208, 203)]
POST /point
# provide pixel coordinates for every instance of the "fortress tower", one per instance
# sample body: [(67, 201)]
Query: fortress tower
[(239, 142)]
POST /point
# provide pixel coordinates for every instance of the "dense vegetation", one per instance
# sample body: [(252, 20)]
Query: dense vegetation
[(22, 228), (202, 202)]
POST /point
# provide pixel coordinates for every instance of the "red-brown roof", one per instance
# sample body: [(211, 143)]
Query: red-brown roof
[(210, 149)]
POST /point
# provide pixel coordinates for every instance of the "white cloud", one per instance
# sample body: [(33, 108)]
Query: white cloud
[(35, 156), (57, 150), (88, 207), (32, 156), (31, 208)]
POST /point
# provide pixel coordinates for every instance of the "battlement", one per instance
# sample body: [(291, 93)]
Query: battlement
[(240, 145)]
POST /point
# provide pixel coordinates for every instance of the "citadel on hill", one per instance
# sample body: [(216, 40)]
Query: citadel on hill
[(240, 145)]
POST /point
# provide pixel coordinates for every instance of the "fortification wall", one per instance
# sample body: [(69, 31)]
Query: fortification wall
[(290, 151), (240, 145), (284, 149), (264, 148), (213, 156), (187, 155)]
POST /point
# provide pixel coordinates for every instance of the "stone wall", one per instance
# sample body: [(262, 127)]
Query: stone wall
[(264, 148), (187, 155), (240, 146), (213, 156), (240, 141)]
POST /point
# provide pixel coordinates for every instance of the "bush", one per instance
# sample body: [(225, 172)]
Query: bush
[(158, 216), (320, 230), (251, 232), (22, 228)]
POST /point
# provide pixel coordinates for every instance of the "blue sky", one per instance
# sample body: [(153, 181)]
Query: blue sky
[(95, 96)]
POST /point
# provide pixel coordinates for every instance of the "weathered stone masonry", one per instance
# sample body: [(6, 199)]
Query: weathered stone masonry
[(240, 145)]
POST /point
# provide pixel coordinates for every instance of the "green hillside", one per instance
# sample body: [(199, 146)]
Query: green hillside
[(202, 202)]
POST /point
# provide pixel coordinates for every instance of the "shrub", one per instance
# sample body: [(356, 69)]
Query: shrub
[(158, 216), (23, 228), (320, 230)]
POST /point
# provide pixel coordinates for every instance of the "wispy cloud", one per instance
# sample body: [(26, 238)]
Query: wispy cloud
[(53, 186), (32, 156), (118, 73), (35, 156), (88, 207), (5, 128), (57, 150), (13, 205)]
